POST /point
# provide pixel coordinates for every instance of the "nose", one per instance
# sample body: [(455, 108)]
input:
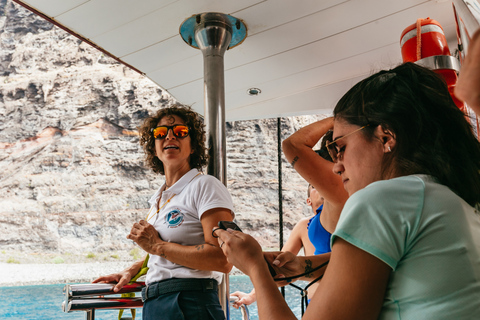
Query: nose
[(338, 168), (170, 134)]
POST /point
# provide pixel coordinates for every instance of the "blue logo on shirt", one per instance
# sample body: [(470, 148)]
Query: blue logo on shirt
[(174, 219)]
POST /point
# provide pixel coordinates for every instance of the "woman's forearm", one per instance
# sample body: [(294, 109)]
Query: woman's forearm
[(201, 257), (313, 168), (310, 263), (271, 305), (290, 266), (134, 268), (306, 138)]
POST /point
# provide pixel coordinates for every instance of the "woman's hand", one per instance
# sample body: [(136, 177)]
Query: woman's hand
[(286, 264), (243, 298), (468, 84), (145, 235), (241, 250), (246, 254), (121, 279)]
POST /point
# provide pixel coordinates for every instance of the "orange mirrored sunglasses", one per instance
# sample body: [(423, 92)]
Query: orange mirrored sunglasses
[(179, 131)]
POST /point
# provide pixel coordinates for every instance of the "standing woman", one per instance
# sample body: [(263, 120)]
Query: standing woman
[(185, 263), (407, 245)]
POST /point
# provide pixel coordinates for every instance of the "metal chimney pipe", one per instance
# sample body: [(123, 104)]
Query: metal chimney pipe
[(213, 33)]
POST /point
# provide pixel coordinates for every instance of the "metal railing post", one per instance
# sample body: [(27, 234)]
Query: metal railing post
[(90, 314)]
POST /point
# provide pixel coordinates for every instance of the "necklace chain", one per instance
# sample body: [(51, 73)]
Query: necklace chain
[(148, 218), (148, 215)]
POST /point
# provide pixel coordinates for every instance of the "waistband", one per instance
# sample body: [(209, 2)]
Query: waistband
[(156, 289)]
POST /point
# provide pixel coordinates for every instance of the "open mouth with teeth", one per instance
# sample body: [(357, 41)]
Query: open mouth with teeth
[(170, 147)]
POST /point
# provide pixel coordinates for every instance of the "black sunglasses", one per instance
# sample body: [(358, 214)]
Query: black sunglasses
[(332, 148)]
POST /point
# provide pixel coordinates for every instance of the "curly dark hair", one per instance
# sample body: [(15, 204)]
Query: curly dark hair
[(199, 157), (432, 134)]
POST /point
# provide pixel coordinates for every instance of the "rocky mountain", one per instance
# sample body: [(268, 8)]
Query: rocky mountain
[(72, 177)]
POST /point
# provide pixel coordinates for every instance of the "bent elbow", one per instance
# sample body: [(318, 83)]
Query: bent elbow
[(227, 268), (288, 147), (224, 266), (287, 143)]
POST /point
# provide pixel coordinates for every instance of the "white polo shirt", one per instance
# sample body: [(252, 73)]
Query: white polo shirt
[(178, 221)]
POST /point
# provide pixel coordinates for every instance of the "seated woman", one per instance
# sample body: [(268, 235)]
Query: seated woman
[(185, 261), (407, 245), (323, 183)]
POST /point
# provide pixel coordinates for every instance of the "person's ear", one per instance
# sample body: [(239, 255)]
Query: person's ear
[(309, 201), (387, 137)]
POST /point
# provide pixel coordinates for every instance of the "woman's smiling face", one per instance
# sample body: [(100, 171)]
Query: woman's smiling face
[(173, 150)]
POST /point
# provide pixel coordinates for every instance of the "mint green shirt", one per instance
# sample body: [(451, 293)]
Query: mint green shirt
[(430, 238)]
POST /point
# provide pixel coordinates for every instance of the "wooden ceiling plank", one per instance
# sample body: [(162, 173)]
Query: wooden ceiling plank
[(53, 8), (279, 37), (168, 52), (340, 46), (160, 25), (259, 18), (356, 66), (103, 16), (171, 51), (328, 23), (288, 106)]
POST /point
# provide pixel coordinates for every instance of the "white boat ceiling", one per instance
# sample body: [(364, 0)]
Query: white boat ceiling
[(302, 54)]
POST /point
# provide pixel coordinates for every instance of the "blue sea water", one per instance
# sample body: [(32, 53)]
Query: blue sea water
[(45, 302)]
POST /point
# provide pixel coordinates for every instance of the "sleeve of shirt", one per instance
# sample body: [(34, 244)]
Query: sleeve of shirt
[(382, 219), (212, 194)]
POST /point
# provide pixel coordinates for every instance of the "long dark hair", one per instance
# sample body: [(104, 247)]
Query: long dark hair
[(432, 135), (199, 157)]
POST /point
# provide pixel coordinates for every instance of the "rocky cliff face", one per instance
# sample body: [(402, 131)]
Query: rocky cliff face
[(71, 170)]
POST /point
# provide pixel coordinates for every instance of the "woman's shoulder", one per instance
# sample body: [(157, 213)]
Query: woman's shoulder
[(395, 202), (401, 191), (207, 179), (206, 182), (400, 184)]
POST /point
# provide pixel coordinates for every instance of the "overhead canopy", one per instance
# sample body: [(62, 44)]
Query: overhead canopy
[(302, 55)]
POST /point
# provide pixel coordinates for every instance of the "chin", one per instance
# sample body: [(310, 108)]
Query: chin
[(351, 190)]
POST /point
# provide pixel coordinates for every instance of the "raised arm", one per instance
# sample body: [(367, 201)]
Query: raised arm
[(313, 168), (296, 240), (207, 256), (468, 85)]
